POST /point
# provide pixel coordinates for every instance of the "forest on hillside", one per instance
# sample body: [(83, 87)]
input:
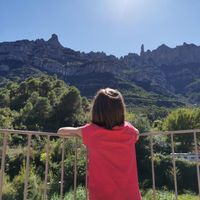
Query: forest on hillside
[(45, 103)]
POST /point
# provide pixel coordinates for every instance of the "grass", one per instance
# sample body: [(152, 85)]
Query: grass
[(168, 195), (80, 195), (148, 195)]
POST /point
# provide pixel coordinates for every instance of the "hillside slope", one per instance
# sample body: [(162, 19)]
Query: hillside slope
[(166, 76)]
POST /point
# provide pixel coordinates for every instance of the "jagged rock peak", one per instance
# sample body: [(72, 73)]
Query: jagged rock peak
[(54, 37), (54, 40), (163, 46), (142, 50), (188, 45)]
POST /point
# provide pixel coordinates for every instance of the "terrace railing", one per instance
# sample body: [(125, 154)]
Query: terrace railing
[(172, 134), (29, 134)]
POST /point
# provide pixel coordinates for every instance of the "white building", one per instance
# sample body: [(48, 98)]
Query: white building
[(187, 156)]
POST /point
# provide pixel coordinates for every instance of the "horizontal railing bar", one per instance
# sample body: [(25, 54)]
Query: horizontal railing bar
[(169, 132), (23, 132), (13, 131)]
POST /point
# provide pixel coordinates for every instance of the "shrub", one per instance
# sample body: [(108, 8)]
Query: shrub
[(8, 192), (34, 189)]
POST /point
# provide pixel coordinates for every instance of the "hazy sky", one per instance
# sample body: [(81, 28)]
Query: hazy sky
[(114, 26)]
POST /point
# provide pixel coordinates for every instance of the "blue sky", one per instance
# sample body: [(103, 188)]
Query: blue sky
[(114, 26)]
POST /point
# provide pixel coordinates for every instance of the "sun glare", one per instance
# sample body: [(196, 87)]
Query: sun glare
[(122, 5), (120, 10)]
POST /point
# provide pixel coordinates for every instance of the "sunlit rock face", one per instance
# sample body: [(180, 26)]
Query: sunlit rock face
[(164, 55), (53, 57)]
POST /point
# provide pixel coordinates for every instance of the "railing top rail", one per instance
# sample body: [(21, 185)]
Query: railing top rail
[(153, 133), (24, 132)]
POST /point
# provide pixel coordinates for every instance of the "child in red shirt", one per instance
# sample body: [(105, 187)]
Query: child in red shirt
[(110, 141)]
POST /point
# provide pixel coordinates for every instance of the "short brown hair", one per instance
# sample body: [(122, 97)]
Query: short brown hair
[(108, 108)]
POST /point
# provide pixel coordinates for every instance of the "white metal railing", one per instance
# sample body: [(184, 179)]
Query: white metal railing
[(29, 134), (171, 134)]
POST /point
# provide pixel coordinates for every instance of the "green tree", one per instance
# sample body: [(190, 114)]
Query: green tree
[(7, 118), (54, 100), (39, 115), (42, 103), (140, 122), (32, 85), (33, 98), (45, 87), (69, 110), (34, 189), (23, 89), (182, 119), (4, 98)]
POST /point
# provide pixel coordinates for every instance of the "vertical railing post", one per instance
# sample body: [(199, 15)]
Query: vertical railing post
[(46, 167), (62, 169), (86, 176), (5, 138), (27, 167), (197, 161), (174, 167), (152, 168), (75, 169)]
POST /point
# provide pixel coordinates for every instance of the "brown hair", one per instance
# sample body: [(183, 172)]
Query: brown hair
[(108, 108)]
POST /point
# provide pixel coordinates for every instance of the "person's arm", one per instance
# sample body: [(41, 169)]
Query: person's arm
[(138, 134), (69, 131)]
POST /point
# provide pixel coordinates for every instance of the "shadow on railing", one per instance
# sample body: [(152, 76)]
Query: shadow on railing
[(29, 134)]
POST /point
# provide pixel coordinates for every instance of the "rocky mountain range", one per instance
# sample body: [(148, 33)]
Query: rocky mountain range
[(163, 77)]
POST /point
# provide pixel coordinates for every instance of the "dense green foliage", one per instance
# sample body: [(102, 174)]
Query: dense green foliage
[(46, 103), (42, 103), (135, 96), (183, 119)]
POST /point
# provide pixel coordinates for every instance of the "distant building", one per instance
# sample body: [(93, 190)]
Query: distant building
[(187, 156)]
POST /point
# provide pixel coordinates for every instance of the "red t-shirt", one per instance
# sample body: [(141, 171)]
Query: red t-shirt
[(112, 166)]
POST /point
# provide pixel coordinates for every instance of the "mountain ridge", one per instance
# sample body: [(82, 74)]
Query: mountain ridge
[(164, 71)]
